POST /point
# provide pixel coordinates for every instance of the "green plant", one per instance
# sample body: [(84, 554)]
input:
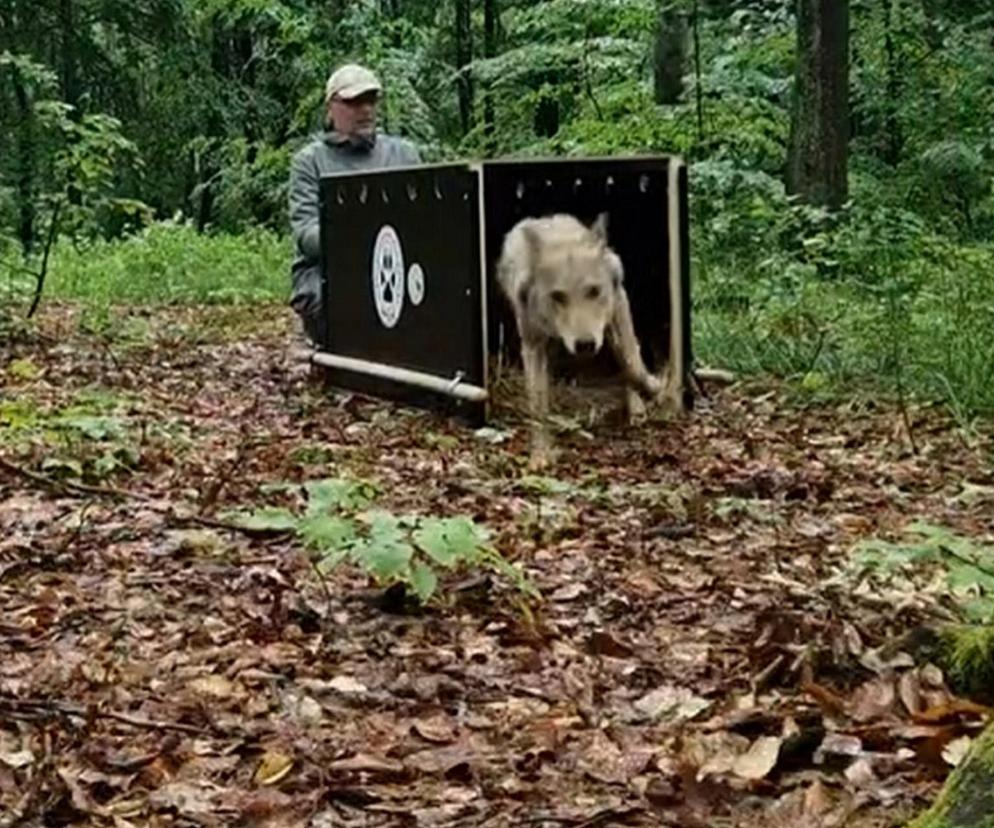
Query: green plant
[(968, 566), (338, 525)]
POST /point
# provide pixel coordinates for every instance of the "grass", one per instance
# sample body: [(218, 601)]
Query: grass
[(919, 325), (172, 263), (925, 335)]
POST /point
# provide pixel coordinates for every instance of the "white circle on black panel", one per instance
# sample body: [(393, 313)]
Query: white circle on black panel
[(416, 284), (388, 276)]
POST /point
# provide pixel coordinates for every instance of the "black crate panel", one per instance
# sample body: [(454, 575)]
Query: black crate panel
[(423, 220)]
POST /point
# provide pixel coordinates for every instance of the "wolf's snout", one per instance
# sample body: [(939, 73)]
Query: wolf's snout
[(586, 347)]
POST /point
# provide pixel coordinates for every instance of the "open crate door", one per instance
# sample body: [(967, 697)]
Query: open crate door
[(645, 198), (404, 295)]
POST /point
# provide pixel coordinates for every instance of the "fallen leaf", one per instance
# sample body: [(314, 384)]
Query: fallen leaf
[(873, 700), (861, 773), (273, 767), (670, 702), (186, 798), (347, 685), (438, 729), (17, 759), (440, 760), (213, 685), (909, 689), (363, 762), (956, 750), (759, 760)]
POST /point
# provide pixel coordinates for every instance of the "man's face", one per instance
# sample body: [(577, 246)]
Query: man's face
[(355, 116)]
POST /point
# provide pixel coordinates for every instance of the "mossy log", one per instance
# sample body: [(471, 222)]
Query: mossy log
[(967, 798)]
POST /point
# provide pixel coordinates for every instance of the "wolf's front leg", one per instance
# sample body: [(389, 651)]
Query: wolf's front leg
[(536, 362), (621, 334)]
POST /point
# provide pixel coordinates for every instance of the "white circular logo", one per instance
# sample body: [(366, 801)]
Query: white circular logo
[(388, 276), (416, 284)]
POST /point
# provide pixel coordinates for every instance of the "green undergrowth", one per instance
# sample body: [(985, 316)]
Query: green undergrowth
[(870, 301), (172, 263), (339, 523), (957, 571), (94, 437)]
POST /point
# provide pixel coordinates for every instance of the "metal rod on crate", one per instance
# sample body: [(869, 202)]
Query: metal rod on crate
[(450, 386)]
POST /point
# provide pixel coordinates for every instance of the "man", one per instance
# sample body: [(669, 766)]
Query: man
[(350, 142)]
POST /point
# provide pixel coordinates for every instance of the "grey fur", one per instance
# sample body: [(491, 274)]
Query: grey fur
[(565, 283)]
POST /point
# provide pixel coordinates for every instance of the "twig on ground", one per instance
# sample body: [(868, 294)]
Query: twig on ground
[(166, 509), (68, 485), (38, 708)]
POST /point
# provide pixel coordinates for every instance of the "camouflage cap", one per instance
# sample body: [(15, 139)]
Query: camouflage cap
[(351, 81)]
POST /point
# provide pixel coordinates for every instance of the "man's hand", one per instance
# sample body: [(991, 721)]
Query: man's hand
[(306, 303)]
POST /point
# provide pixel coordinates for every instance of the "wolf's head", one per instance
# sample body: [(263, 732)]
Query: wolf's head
[(574, 281)]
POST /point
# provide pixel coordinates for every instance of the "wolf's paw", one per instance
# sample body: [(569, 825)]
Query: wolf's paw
[(635, 409)]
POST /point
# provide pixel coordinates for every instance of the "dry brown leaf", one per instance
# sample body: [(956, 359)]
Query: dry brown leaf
[(365, 762), (909, 689), (759, 760), (873, 700), (952, 710), (441, 760), (189, 799), (216, 686), (438, 729), (670, 702)]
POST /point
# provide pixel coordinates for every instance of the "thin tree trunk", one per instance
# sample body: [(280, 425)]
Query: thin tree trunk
[(892, 153), (818, 162), (26, 165), (670, 54), (489, 51), (464, 56)]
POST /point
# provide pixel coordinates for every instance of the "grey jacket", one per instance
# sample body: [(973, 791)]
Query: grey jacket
[(327, 153)]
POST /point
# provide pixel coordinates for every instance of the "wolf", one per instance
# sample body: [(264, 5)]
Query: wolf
[(565, 283)]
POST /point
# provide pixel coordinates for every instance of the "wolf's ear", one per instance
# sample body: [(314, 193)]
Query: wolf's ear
[(533, 240), (599, 229)]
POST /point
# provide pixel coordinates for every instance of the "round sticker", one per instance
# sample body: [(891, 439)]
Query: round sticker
[(416, 284), (388, 276)]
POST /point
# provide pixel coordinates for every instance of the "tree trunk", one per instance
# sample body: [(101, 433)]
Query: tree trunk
[(670, 54), (967, 798), (25, 166), (894, 140), (489, 51), (464, 56), (817, 161)]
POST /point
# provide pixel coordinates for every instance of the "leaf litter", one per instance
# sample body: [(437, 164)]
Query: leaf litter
[(704, 652)]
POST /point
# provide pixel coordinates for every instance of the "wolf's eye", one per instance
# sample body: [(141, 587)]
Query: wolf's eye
[(559, 297), (593, 292)]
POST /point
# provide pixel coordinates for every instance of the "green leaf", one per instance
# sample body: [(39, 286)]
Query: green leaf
[(327, 533), (449, 541), (337, 494), (965, 576), (424, 580), (268, 518), (385, 553)]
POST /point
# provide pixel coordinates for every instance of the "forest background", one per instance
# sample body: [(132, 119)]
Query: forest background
[(145, 149)]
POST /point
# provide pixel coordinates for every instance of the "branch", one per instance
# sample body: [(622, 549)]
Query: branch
[(68, 485), (70, 488), (34, 708)]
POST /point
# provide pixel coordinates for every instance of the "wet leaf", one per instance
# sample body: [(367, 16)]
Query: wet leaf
[(273, 767)]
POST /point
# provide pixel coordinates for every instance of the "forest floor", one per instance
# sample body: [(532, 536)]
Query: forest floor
[(706, 652)]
